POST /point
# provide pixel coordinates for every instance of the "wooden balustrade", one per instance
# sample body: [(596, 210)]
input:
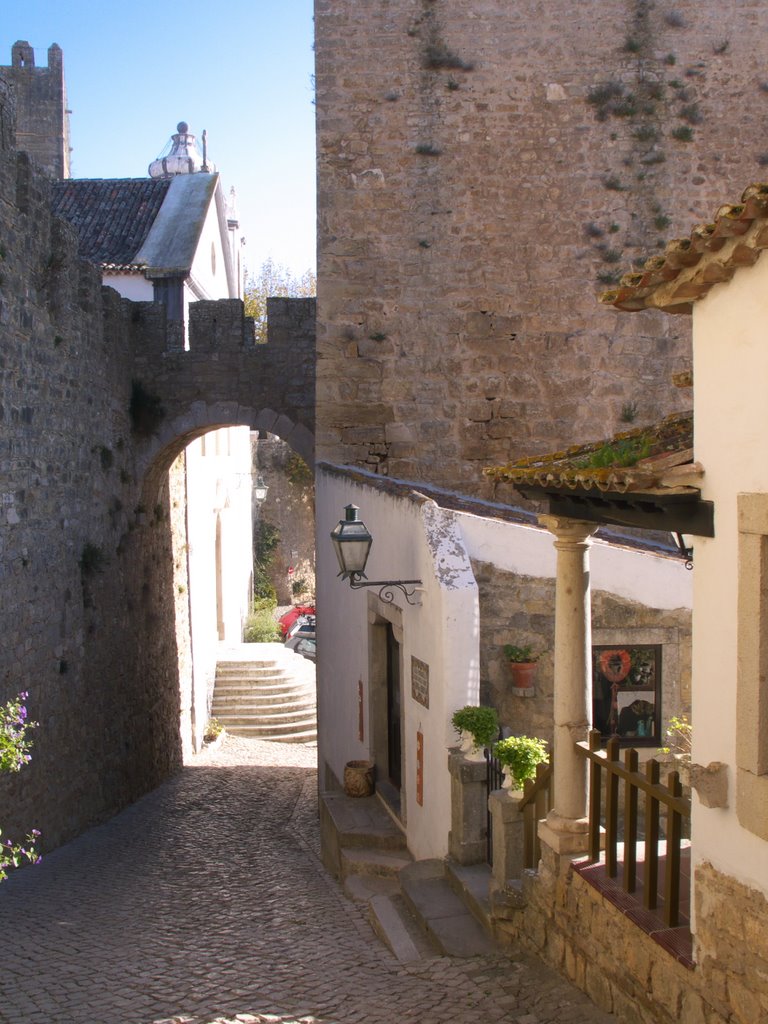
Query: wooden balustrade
[(535, 805), (607, 769)]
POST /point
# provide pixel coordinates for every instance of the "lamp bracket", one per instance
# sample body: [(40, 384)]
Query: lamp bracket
[(686, 553), (357, 581)]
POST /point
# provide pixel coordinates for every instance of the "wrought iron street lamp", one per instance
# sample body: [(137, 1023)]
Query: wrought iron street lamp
[(352, 543), (260, 489)]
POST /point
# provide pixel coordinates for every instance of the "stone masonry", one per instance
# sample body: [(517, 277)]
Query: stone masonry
[(521, 610), (598, 947), (90, 519), (485, 169), (42, 117)]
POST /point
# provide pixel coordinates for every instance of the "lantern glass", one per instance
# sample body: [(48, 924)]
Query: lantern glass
[(352, 542), (260, 489)]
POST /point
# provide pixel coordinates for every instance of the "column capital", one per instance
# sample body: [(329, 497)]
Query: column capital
[(569, 531)]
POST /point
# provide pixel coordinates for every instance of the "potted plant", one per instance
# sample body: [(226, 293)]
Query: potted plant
[(522, 664), (477, 727), (519, 756)]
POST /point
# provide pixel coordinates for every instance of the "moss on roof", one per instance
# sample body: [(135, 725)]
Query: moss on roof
[(637, 459)]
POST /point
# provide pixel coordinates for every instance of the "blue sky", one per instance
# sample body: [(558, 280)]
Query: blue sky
[(241, 69)]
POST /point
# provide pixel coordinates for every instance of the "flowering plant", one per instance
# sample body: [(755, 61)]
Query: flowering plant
[(14, 744), (14, 754), (12, 854)]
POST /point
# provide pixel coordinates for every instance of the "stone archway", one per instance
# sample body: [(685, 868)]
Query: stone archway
[(209, 569)]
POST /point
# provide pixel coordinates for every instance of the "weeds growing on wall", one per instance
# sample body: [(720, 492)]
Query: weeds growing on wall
[(266, 539)]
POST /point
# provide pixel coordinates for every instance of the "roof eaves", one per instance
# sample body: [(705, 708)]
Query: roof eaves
[(690, 267)]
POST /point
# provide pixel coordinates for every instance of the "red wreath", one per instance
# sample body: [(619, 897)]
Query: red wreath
[(615, 665)]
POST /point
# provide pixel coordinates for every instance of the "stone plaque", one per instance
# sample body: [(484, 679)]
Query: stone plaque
[(420, 681)]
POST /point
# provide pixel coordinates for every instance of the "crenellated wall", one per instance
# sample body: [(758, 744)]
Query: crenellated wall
[(92, 505)]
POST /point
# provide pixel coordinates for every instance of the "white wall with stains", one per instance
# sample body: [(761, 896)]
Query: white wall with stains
[(415, 538)]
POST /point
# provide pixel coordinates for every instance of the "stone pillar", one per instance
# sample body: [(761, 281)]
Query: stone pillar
[(469, 809), (508, 836), (566, 825)]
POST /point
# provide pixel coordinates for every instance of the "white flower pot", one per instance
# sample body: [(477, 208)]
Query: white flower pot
[(468, 747)]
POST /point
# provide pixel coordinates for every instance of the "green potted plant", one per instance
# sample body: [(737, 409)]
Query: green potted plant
[(519, 756), (522, 664), (477, 727)]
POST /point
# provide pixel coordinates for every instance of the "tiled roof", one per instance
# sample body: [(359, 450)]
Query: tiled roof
[(663, 454), (111, 216), (689, 267)]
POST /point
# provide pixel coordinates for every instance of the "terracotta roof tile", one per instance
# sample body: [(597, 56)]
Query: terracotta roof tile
[(663, 454), (689, 267), (112, 217)]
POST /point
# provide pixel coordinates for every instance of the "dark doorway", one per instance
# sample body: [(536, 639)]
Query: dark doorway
[(394, 749)]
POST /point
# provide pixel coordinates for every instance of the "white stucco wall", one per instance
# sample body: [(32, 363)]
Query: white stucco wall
[(135, 287), (207, 274), (731, 426), (410, 541), (659, 581), (421, 540), (218, 489)]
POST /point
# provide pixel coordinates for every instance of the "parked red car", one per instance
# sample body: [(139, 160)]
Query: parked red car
[(287, 620)]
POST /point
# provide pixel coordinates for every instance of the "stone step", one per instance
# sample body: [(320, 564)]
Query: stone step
[(272, 695), (272, 717), (293, 736), (265, 730), (440, 912), (471, 883), (397, 928), (363, 860), (267, 692), (360, 821), (273, 676), (298, 698)]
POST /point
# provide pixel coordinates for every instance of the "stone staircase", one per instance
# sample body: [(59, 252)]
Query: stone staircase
[(420, 909), (267, 692)]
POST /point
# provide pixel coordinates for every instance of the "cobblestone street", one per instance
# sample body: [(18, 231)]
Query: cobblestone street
[(206, 901)]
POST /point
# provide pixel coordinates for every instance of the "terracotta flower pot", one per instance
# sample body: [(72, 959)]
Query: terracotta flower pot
[(523, 674), (358, 778)]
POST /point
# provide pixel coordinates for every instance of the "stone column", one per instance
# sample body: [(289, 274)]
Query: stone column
[(566, 825), (469, 809)]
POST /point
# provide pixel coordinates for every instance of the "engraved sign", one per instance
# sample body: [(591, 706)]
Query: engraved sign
[(420, 681)]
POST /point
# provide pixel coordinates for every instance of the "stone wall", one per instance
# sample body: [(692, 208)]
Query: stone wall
[(573, 927), (290, 506), (86, 572), (521, 610), (42, 118), (485, 170)]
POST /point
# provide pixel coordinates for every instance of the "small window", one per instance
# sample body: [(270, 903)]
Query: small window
[(213, 259)]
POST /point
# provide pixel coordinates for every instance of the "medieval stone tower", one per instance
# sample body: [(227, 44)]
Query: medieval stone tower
[(485, 170), (42, 117)]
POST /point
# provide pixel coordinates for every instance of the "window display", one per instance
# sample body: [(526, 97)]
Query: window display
[(626, 693)]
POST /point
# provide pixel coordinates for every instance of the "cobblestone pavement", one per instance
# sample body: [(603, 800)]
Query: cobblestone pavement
[(206, 901)]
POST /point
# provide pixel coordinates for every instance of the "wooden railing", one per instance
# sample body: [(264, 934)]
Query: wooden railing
[(535, 805), (607, 765)]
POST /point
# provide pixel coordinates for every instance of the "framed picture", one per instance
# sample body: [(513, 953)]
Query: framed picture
[(626, 693)]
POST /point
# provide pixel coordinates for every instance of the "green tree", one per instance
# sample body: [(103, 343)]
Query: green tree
[(274, 280)]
